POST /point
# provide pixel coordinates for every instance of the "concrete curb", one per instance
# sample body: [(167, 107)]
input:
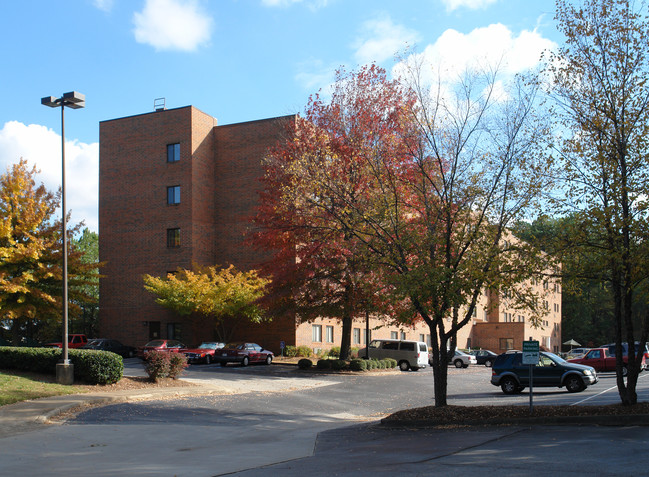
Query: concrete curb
[(606, 420)]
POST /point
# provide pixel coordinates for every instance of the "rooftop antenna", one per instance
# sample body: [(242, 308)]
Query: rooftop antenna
[(159, 104)]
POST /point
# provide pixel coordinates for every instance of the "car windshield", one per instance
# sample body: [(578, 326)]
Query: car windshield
[(235, 345), (554, 357), (208, 346), (93, 343), (155, 344)]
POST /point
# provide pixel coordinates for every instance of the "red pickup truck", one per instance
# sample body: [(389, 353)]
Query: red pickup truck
[(602, 360), (74, 341)]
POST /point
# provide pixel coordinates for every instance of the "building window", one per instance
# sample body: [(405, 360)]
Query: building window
[(173, 195), (357, 336), (316, 333), (422, 337), (173, 238), (506, 343), (330, 334), (403, 335), (394, 335), (367, 336), (174, 331), (173, 152)]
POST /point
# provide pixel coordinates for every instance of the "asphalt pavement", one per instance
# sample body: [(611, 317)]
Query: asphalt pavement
[(239, 428)]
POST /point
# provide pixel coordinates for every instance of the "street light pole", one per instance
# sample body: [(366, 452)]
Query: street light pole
[(74, 100)]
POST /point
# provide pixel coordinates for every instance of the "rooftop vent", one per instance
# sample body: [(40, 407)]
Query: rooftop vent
[(159, 104)]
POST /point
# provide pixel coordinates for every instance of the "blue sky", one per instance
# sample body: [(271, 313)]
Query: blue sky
[(237, 60)]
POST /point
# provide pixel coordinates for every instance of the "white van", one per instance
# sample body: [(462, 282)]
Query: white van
[(408, 354)]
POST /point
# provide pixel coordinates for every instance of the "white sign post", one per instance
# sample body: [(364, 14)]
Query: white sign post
[(531, 357)]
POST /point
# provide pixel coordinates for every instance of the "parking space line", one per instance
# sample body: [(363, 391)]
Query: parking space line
[(600, 393)]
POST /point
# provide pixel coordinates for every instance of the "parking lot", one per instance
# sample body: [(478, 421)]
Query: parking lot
[(466, 386), (278, 420)]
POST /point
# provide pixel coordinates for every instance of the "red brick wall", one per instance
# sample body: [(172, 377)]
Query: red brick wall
[(134, 215), (218, 172)]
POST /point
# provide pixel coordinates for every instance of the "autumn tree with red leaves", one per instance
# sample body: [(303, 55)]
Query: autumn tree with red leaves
[(315, 182), (410, 188)]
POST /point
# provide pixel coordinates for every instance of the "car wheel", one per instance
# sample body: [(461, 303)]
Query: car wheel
[(458, 363), (509, 385), (208, 359), (245, 361), (625, 371), (269, 359), (414, 368), (574, 384), (404, 366), (488, 363), (224, 363)]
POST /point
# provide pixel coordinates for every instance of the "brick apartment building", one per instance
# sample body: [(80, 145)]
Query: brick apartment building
[(176, 189)]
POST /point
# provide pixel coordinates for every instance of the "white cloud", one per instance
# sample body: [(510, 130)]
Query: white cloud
[(470, 4), (172, 25), (41, 147), (105, 5), (315, 74), (454, 53), (381, 39), (312, 4), (279, 3)]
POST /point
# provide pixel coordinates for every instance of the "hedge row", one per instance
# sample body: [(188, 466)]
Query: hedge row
[(356, 364), (90, 366)]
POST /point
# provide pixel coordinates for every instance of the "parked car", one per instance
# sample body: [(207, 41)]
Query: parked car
[(172, 346), (204, 353), (484, 356), (113, 346), (577, 352), (513, 376), (460, 359), (625, 349), (602, 360), (244, 353), (408, 354), (74, 341)]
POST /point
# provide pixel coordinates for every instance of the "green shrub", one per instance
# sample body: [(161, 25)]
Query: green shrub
[(358, 365), (372, 363), (304, 363), (290, 351), (338, 364), (390, 362), (304, 351), (382, 364), (354, 352), (334, 352), (324, 364), (90, 366), (96, 367)]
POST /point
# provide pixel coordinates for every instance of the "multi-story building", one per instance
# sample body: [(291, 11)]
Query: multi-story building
[(176, 189)]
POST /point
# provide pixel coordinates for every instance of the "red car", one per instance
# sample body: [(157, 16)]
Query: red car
[(74, 341), (244, 353), (173, 346), (204, 353)]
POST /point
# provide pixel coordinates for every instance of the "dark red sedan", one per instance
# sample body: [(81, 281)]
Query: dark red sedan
[(204, 353), (172, 346), (244, 353)]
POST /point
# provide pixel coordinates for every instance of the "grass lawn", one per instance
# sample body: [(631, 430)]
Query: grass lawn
[(17, 386)]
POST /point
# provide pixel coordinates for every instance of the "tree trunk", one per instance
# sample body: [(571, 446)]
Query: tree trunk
[(345, 339)]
